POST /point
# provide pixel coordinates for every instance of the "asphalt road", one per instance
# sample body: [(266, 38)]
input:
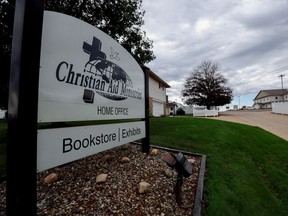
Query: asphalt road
[(274, 123)]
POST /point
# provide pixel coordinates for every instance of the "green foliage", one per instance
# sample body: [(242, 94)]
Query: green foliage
[(206, 86), (180, 111), (6, 28), (120, 19)]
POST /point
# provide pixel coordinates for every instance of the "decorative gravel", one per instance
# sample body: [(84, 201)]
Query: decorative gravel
[(77, 193)]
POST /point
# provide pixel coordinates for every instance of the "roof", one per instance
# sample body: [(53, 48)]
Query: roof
[(271, 92), (157, 78), (171, 104)]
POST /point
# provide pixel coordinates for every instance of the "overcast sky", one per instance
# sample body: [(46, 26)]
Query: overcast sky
[(247, 38)]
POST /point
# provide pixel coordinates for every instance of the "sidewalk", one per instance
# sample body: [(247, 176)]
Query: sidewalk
[(274, 123)]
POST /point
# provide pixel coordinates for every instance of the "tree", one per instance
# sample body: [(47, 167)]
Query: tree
[(206, 86), (120, 19), (6, 28)]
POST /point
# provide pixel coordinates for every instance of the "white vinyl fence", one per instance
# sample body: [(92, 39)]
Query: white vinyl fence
[(188, 110), (205, 112), (280, 107)]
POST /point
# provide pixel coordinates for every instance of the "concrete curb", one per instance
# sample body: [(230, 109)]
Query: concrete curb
[(200, 185)]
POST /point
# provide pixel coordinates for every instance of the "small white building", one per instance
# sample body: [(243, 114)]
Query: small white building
[(265, 98), (157, 95), (172, 107)]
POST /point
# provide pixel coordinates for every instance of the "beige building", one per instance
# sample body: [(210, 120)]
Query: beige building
[(157, 95), (265, 98)]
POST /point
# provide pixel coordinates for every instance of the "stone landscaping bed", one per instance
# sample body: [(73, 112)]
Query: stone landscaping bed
[(111, 183)]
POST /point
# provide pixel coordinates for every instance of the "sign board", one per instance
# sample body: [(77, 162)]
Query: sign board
[(63, 145), (85, 74)]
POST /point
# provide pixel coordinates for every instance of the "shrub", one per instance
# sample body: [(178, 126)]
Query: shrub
[(180, 111)]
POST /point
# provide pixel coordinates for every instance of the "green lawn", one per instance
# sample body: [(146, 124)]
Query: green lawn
[(247, 167)]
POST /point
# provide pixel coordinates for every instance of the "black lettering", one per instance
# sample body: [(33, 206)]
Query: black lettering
[(107, 138), (130, 132), (92, 140), (102, 110), (58, 71), (114, 136), (98, 140), (67, 143), (124, 133), (71, 75), (86, 81), (102, 85), (87, 143), (99, 85), (90, 81), (121, 111), (74, 144), (77, 77)]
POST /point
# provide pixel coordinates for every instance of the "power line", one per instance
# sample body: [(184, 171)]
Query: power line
[(276, 70)]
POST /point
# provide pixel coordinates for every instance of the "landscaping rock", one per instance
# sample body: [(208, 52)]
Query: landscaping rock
[(101, 178), (51, 178), (143, 187)]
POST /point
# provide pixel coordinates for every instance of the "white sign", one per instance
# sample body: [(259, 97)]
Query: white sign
[(85, 74), (63, 145)]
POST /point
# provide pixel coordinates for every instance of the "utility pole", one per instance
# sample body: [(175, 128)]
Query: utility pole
[(281, 76), (239, 101)]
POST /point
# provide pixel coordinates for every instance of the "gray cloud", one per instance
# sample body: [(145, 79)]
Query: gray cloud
[(248, 38)]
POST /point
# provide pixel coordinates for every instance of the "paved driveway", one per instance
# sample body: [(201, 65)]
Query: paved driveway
[(274, 123)]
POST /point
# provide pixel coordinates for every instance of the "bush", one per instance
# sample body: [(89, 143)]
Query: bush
[(180, 111)]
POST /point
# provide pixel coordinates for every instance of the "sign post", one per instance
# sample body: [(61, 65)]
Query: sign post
[(146, 140), (22, 109)]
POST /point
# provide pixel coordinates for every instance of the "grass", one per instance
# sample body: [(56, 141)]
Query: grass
[(247, 167)]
